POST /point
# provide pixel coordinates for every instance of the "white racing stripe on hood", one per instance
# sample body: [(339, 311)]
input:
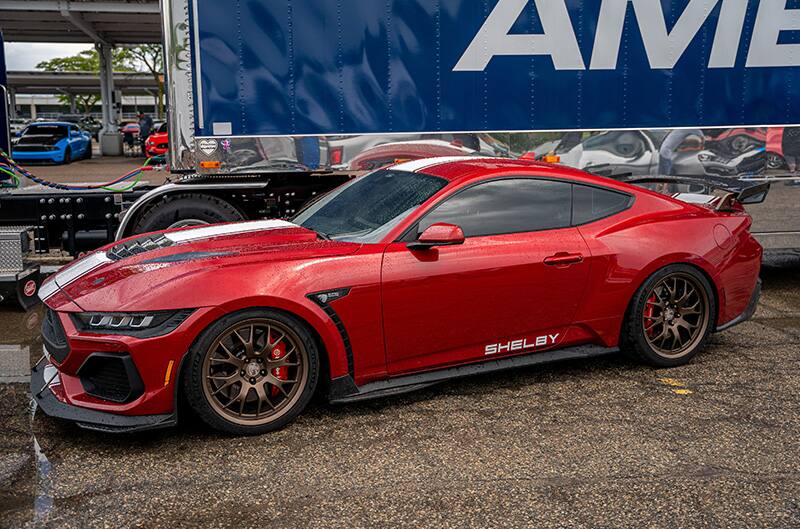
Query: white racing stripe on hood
[(92, 261), (62, 279), (207, 232)]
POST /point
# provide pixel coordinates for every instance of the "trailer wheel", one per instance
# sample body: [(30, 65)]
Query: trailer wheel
[(189, 209)]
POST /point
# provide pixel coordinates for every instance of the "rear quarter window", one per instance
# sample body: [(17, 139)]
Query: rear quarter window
[(593, 203)]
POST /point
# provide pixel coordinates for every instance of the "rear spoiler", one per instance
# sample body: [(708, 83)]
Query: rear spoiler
[(720, 192)]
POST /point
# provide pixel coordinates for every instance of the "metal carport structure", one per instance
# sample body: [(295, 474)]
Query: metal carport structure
[(104, 23)]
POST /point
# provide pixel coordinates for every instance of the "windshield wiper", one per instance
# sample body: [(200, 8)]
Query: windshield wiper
[(322, 235)]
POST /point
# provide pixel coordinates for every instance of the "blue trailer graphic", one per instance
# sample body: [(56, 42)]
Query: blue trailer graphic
[(317, 67)]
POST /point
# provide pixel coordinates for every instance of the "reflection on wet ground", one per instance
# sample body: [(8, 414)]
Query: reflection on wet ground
[(601, 442)]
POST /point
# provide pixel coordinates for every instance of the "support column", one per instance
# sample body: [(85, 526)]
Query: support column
[(73, 109), (106, 87), (110, 139), (33, 107), (12, 103)]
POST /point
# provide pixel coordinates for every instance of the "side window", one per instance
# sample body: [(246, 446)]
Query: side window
[(592, 203), (506, 206)]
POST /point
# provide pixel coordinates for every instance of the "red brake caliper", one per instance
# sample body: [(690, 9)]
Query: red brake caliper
[(648, 313), (281, 373)]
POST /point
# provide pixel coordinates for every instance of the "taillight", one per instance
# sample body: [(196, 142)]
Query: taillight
[(336, 156)]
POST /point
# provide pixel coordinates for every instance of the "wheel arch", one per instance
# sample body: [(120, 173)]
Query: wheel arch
[(333, 355), (220, 191)]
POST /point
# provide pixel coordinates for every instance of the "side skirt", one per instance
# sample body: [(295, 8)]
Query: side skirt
[(407, 383)]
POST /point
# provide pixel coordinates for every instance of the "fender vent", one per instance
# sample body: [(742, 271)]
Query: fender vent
[(137, 246)]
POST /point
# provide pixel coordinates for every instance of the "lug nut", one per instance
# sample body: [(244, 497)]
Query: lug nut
[(241, 373), (253, 380), (263, 372)]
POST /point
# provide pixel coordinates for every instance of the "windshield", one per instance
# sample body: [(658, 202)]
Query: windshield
[(367, 208), (56, 131)]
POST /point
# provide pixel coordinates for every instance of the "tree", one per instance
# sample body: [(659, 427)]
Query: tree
[(151, 58), (85, 61), (146, 57)]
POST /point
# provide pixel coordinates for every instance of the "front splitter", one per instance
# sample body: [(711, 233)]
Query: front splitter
[(86, 418)]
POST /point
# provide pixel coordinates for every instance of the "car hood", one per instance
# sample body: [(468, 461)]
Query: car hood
[(124, 275), (39, 139)]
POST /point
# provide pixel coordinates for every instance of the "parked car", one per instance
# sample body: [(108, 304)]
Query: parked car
[(157, 143), (87, 123), (390, 153), (17, 125), (56, 142), (399, 279)]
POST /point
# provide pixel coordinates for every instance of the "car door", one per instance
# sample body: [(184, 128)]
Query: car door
[(513, 285)]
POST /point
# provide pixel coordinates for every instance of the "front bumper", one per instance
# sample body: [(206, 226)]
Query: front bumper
[(43, 392), (39, 156), (748, 312)]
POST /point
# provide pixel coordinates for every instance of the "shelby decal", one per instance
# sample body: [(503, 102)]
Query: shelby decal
[(664, 47), (521, 344)]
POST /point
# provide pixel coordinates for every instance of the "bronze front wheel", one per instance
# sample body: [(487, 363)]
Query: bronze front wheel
[(252, 371)]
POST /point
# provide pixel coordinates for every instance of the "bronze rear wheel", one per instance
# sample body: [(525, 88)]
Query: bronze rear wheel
[(676, 315), (670, 316)]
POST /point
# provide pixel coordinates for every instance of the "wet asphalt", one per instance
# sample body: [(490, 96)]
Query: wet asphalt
[(599, 443)]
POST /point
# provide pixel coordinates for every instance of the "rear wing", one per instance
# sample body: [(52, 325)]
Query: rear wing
[(719, 193)]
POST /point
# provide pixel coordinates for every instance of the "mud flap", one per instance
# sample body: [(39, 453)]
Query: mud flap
[(22, 286)]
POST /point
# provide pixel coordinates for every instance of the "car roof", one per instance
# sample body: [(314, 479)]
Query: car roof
[(461, 168), (51, 123)]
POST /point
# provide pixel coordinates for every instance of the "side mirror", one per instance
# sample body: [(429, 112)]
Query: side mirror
[(439, 234)]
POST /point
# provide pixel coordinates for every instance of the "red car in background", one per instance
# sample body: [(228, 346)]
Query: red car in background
[(403, 151), (404, 277), (157, 143)]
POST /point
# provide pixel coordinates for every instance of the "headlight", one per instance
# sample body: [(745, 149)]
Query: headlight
[(139, 324), (704, 157)]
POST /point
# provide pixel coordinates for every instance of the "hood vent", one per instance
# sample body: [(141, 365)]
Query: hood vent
[(137, 246)]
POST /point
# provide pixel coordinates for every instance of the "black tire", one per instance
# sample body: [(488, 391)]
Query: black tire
[(638, 341), (187, 208), (67, 156), (196, 377)]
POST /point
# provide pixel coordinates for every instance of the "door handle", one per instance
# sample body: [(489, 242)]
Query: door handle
[(563, 259)]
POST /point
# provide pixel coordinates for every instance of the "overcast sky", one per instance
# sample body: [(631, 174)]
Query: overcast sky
[(26, 55)]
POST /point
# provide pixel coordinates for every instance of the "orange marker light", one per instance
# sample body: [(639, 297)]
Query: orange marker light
[(168, 373), (210, 164)]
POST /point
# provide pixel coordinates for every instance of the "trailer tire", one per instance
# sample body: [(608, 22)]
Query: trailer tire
[(186, 210)]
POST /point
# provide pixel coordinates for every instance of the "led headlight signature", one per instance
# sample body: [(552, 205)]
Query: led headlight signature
[(145, 324)]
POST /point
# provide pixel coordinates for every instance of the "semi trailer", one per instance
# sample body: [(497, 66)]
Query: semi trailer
[(270, 102)]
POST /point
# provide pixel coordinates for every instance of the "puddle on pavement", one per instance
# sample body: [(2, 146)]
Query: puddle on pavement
[(20, 347)]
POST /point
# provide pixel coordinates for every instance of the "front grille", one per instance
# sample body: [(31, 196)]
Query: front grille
[(111, 376), (30, 148), (137, 246), (54, 337)]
